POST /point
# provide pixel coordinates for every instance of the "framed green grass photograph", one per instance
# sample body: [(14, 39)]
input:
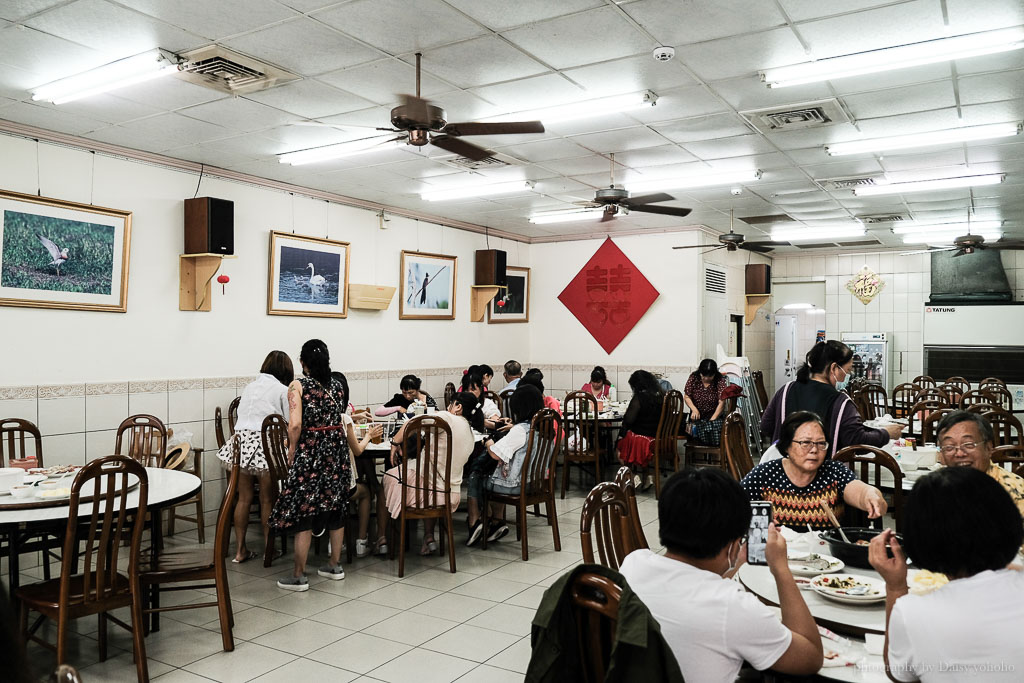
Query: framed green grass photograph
[(59, 254)]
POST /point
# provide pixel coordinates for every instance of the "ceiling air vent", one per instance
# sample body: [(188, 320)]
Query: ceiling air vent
[(882, 218), (496, 160), (767, 219), (229, 72), (862, 243), (797, 116), (846, 183), (823, 245)]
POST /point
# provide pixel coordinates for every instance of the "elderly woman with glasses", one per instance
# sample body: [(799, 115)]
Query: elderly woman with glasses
[(804, 478), (966, 440)]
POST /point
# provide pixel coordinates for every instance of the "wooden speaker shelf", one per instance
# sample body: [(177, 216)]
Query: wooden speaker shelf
[(196, 271), (754, 303), (481, 296)]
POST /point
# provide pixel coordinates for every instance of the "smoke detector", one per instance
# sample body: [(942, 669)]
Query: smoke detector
[(663, 53)]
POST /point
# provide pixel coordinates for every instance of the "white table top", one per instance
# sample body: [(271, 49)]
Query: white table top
[(164, 486), (385, 445), (869, 668)]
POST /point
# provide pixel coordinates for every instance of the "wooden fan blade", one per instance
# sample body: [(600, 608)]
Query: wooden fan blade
[(664, 210), (720, 246), (756, 246), (497, 128), (416, 109), (461, 147), (693, 246), (609, 213), (1006, 244), (647, 199)]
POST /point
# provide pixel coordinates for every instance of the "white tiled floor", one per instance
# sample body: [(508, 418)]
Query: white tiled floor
[(429, 627)]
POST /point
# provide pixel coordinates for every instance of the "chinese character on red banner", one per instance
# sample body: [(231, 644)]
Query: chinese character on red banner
[(609, 295)]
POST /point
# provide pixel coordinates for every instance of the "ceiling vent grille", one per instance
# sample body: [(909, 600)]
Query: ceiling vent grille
[(823, 245), (847, 183), (797, 116), (882, 218), (496, 160), (229, 72), (714, 281)]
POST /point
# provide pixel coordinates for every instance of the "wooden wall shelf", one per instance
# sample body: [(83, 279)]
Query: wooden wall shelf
[(195, 272), (754, 303), (481, 296)]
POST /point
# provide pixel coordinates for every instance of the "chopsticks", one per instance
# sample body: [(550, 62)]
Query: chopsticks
[(832, 518)]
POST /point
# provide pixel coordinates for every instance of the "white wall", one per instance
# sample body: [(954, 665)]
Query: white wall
[(757, 336)]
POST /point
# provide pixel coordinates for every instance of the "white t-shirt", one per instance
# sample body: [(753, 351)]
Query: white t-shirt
[(263, 397), (711, 624), (490, 409), (970, 628), (512, 451)]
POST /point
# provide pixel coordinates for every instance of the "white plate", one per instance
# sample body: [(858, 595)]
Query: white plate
[(799, 569), (877, 587)]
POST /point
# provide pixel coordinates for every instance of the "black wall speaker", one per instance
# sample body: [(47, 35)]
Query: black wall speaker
[(209, 226), (490, 267)]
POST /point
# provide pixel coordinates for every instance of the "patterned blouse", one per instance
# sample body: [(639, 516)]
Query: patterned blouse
[(1013, 484), (705, 398), (796, 506)]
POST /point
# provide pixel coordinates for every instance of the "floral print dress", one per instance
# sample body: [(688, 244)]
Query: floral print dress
[(320, 479)]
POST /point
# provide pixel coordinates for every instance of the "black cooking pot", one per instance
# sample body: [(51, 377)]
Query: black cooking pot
[(851, 553)]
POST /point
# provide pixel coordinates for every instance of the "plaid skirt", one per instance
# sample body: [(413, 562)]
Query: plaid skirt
[(708, 432)]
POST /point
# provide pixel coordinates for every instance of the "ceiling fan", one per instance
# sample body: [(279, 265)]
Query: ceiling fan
[(969, 243), (733, 241), (616, 199), (421, 122)]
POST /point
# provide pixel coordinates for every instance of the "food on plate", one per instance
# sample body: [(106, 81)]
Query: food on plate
[(55, 493), (55, 470), (844, 584), (861, 541)]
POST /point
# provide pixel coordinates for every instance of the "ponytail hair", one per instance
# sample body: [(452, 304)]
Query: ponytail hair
[(317, 360), (471, 409), (821, 356)]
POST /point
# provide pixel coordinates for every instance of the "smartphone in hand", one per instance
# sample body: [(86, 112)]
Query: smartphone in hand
[(757, 534)]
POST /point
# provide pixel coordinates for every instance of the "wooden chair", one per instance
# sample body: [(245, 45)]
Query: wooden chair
[(581, 434), (930, 424), (199, 519), (697, 455), (933, 394), (595, 605), (504, 397), (969, 398), (537, 482), (101, 588), (1009, 457), (218, 427), (919, 412), (274, 435), (954, 392), (624, 478), (186, 566), (959, 382), (872, 461), (981, 408), (667, 436), (1001, 396), (925, 382), (737, 451), (426, 494), (606, 518), (494, 397), (762, 393), (146, 440), (991, 381), (233, 415), (874, 401), (13, 433), (66, 673), (449, 394), (1005, 427), (903, 398)]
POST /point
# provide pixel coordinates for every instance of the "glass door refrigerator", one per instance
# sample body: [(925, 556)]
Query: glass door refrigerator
[(870, 355)]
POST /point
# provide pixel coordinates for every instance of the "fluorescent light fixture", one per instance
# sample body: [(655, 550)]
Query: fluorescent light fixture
[(694, 181), (336, 151), (946, 237), (899, 57), (818, 311), (830, 232), (124, 72), (798, 307), (477, 191), (974, 226), (585, 110), (938, 137), (566, 216), (929, 185)]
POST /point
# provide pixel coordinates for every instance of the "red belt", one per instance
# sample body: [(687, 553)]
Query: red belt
[(329, 428)]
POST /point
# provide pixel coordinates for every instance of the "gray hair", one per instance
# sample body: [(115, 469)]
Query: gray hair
[(958, 416)]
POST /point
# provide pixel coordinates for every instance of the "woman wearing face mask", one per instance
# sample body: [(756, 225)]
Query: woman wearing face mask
[(818, 389)]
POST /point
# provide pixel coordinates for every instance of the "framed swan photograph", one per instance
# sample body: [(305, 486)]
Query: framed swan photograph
[(308, 276)]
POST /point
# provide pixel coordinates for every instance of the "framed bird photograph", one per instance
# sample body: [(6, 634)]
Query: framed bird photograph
[(308, 276), (60, 254), (427, 286), (512, 305)]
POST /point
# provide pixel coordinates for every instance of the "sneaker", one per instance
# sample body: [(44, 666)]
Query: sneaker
[(382, 548), (498, 531), (475, 533), (362, 547), (293, 583), (637, 481), (332, 573)]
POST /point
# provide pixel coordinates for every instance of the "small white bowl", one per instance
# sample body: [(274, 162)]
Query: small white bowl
[(49, 485), (22, 491)]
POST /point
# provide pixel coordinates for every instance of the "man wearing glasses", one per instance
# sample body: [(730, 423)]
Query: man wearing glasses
[(966, 440)]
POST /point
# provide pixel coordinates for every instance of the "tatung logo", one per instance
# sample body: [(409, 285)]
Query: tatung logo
[(940, 309)]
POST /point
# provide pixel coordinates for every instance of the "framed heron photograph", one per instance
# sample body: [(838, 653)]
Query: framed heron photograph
[(427, 286), (308, 276), (60, 254), (512, 305)]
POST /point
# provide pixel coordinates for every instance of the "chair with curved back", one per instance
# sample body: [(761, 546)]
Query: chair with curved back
[(1006, 428), (933, 394), (595, 606), (605, 521), (494, 397), (1009, 457), (762, 393), (925, 382), (504, 396), (953, 391), (903, 396), (142, 438), (449, 394), (581, 434), (930, 424), (973, 396), (734, 441), (624, 478), (919, 412), (274, 436), (991, 381), (13, 443), (233, 415), (93, 540), (667, 436), (981, 408), (871, 461), (960, 382), (1001, 396), (874, 402), (537, 480)]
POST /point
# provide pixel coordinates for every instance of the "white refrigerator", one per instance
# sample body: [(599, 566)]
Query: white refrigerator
[(870, 355)]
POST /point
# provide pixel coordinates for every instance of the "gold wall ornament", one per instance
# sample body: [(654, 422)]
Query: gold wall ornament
[(866, 285)]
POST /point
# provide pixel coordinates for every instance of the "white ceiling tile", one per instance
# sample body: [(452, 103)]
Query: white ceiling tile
[(311, 99), (772, 175), (998, 62), (967, 16), (464, 106), (169, 93), (117, 31), (801, 10), (905, 124), (873, 29), (252, 146), (544, 150), (50, 118), (905, 162), (215, 20), (480, 61), (982, 153), (167, 131), (421, 168), (16, 10), (844, 169), (563, 186), (892, 79), (547, 40), (902, 100), (629, 74), (703, 128), (750, 93), (107, 108), (17, 83), (396, 27), (680, 103), (994, 112), (238, 113), (742, 55), (532, 93), (323, 49), (501, 14), (765, 162), (579, 166), (205, 154), (383, 81), (739, 145), (620, 140), (46, 57), (1007, 85), (591, 124), (676, 23), (654, 156)]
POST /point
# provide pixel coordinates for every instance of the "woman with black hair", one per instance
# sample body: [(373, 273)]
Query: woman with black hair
[(320, 478), (818, 389), (959, 522), (599, 385), (401, 404), (703, 395), (472, 384), (640, 421), (358, 416)]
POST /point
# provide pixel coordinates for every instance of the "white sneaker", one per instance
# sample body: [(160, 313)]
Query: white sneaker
[(382, 549), (362, 547)]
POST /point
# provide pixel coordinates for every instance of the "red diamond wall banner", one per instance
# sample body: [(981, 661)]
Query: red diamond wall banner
[(609, 295)]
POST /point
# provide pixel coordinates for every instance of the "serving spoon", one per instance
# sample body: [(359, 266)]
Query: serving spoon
[(832, 518)]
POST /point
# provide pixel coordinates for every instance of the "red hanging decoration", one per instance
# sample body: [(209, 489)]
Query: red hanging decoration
[(223, 280)]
